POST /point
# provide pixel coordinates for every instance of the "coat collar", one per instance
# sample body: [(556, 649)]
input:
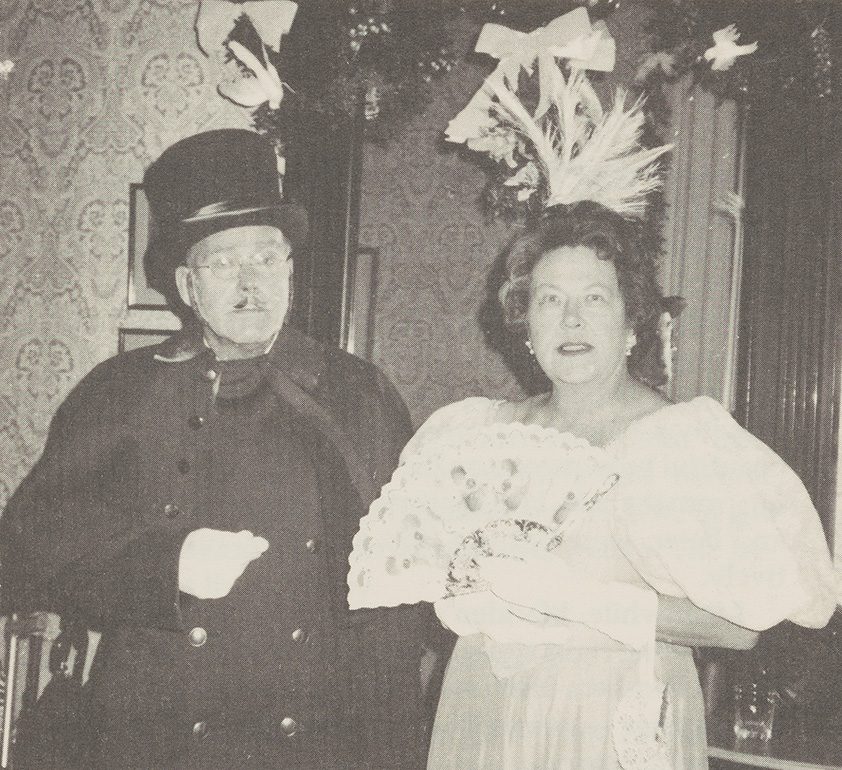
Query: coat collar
[(295, 354)]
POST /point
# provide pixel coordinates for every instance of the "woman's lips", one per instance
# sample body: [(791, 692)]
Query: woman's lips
[(574, 348)]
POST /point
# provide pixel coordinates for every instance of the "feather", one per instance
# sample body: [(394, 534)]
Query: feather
[(581, 152), (265, 86)]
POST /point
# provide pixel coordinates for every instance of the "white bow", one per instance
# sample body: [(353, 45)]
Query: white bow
[(271, 18), (570, 37)]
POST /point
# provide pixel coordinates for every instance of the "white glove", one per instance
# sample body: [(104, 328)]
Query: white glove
[(211, 560), (544, 582)]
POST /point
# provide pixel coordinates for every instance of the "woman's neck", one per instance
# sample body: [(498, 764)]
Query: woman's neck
[(577, 402), (597, 412)]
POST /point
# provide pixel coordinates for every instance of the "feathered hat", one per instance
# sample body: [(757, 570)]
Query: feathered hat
[(567, 149)]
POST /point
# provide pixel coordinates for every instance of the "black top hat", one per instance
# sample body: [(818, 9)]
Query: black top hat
[(210, 182)]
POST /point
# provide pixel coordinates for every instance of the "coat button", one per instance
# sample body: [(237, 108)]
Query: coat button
[(289, 726), (210, 375), (200, 730), (171, 510), (196, 421), (198, 636), (300, 636), (312, 545)]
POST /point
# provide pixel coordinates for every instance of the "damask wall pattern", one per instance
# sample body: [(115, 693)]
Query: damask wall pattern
[(99, 88), (420, 209)]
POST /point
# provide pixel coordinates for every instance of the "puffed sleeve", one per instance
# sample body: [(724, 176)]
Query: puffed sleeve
[(705, 510), (474, 411)]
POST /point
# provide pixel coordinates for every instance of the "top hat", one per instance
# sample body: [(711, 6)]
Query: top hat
[(209, 182)]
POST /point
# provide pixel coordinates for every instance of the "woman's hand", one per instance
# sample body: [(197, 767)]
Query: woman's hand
[(544, 582), (483, 612), (536, 580)]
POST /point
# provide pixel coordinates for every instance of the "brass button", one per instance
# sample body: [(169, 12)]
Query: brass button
[(171, 510), (299, 635), (196, 421), (200, 730), (198, 636), (210, 375), (183, 466), (312, 545), (289, 726)]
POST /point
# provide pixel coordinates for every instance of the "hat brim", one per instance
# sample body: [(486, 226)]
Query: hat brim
[(289, 218)]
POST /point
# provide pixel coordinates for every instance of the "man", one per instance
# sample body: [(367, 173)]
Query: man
[(196, 502)]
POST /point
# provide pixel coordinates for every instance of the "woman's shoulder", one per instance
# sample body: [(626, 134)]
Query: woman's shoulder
[(699, 433), (469, 410), (475, 411), (702, 414)]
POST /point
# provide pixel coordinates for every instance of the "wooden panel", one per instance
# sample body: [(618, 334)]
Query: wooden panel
[(323, 170), (789, 372)]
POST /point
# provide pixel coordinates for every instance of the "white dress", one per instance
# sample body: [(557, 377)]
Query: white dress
[(702, 510)]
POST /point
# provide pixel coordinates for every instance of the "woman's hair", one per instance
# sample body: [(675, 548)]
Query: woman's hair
[(611, 237)]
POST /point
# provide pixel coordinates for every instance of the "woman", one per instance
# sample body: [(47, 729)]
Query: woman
[(549, 663)]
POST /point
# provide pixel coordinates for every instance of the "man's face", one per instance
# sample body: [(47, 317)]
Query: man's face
[(237, 282)]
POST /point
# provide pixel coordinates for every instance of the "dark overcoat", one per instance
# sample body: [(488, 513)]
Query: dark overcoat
[(292, 446)]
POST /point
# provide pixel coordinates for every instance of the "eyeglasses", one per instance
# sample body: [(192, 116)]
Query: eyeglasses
[(269, 263)]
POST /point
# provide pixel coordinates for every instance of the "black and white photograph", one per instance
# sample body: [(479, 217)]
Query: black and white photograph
[(420, 384)]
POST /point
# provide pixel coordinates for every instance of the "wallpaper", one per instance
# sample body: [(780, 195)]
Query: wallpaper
[(99, 88)]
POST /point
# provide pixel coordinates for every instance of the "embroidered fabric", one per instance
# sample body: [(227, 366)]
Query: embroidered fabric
[(641, 726)]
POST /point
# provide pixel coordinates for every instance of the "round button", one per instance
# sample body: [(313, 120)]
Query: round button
[(196, 421), (299, 635), (289, 726), (210, 375), (312, 545), (183, 466), (171, 510), (198, 636), (200, 730)]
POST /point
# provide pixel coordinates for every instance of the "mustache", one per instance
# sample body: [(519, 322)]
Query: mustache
[(249, 301)]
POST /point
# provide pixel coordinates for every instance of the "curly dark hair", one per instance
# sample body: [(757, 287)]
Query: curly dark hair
[(611, 237)]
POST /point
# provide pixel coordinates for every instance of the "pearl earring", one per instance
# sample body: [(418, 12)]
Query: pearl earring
[(631, 341)]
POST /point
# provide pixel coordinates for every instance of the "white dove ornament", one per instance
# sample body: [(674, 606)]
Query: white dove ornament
[(725, 50)]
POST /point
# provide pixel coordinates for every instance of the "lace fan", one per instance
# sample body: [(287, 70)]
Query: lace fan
[(468, 495)]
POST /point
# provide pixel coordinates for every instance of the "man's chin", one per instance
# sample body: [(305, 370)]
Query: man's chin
[(248, 336)]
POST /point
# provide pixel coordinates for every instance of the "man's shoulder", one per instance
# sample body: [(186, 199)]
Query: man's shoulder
[(125, 368), (299, 351)]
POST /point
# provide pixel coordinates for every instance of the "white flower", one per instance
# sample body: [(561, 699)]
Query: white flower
[(500, 145), (527, 178), (725, 50)]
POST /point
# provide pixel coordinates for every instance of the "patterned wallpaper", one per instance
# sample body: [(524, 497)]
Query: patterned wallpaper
[(99, 88)]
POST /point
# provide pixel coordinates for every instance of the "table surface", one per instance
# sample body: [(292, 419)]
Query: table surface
[(800, 740)]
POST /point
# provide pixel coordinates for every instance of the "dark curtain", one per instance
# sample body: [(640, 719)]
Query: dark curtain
[(788, 381), (323, 173)]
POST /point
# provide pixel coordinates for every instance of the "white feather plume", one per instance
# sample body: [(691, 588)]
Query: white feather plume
[(582, 152)]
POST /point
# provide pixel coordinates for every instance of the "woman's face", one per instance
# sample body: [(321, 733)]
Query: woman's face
[(576, 316)]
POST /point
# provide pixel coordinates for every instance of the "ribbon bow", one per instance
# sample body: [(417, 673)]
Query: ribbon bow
[(571, 37), (271, 18)]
